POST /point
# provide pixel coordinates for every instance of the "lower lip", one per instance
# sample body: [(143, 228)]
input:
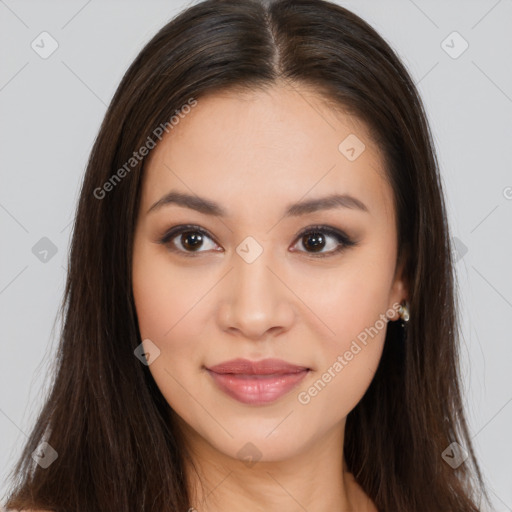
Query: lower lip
[(257, 389)]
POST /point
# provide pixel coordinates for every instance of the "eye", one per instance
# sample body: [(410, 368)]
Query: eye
[(191, 239), (316, 238)]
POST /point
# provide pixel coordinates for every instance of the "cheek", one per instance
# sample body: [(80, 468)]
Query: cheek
[(352, 307), (352, 303), (164, 294), (345, 302), (347, 360), (164, 318), (167, 300)]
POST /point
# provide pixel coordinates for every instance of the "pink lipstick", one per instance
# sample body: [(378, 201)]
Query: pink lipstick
[(257, 382)]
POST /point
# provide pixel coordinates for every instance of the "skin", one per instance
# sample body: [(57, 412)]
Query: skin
[(254, 154)]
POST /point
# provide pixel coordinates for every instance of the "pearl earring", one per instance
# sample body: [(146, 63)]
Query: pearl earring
[(404, 311)]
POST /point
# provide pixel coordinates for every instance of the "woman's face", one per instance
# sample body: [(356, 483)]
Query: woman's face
[(254, 278)]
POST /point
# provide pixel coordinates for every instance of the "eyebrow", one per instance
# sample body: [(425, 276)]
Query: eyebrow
[(208, 207)]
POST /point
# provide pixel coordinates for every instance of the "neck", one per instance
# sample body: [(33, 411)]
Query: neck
[(314, 479)]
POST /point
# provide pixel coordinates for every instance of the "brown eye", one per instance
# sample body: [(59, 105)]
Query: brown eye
[(314, 241), (191, 240), (188, 240), (317, 238), (318, 241)]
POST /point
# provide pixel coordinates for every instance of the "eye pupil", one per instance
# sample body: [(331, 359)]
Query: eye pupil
[(314, 240), (191, 240), (317, 241)]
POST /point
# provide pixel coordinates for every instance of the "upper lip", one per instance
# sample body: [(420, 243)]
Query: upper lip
[(263, 367)]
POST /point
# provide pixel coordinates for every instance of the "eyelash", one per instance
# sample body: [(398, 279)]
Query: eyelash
[(343, 240)]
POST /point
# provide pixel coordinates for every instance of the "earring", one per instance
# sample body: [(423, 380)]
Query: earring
[(403, 311)]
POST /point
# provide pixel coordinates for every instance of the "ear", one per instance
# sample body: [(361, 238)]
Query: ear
[(399, 290)]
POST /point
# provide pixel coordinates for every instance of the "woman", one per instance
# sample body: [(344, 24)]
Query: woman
[(260, 308)]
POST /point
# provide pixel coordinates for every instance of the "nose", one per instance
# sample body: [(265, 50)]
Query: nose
[(256, 300)]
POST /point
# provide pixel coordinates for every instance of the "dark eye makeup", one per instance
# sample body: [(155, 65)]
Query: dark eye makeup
[(315, 237)]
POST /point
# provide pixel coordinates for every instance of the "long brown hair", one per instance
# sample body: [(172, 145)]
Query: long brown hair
[(115, 435)]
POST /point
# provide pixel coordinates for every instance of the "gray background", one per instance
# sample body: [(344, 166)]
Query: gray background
[(51, 110)]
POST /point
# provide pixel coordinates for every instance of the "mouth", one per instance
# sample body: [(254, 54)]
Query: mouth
[(257, 382)]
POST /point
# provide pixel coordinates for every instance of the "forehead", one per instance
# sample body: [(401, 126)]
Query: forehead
[(268, 147)]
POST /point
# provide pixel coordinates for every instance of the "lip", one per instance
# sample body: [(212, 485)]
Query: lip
[(257, 382)]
